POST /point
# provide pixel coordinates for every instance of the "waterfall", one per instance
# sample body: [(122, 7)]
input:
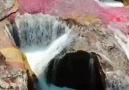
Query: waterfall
[(41, 38)]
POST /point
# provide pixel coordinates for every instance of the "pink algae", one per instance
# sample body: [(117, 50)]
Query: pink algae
[(66, 8), (35, 6)]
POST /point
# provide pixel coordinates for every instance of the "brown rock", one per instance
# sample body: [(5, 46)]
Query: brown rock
[(7, 7), (126, 2), (84, 19)]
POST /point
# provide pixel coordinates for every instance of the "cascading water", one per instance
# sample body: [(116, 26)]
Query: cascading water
[(41, 38)]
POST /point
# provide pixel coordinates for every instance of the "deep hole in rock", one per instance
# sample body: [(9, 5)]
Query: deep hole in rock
[(79, 70)]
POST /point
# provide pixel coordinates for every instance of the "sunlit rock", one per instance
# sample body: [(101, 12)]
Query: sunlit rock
[(12, 70)]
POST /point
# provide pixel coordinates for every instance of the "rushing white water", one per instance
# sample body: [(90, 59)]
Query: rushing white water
[(41, 38), (38, 59), (112, 3)]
